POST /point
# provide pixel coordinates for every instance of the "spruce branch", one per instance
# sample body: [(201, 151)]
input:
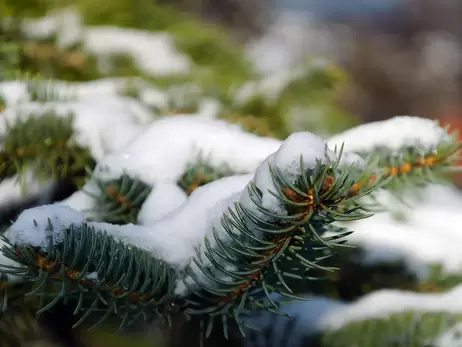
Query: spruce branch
[(266, 247), (417, 165), (410, 151), (45, 145), (201, 172), (98, 273), (119, 201)]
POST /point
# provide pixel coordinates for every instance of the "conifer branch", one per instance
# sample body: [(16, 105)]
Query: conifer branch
[(97, 272), (119, 201), (268, 248), (411, 165), (45, 145), (200, 172)]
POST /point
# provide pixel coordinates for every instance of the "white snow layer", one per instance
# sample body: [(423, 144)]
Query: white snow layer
[(429, 235), (164, 198), (392, 133), (165, 148)]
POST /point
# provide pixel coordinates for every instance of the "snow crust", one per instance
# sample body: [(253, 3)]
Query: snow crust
[(393, 133), (164, 149), (429, 235), (165, 198)]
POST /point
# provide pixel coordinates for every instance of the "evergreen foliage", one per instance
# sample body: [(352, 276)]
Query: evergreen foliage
[(119, 201), (102, 274), (43, 144), (263, 262), (201, 172)]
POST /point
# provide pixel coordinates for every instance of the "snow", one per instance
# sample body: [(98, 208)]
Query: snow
[(165, 148), (35, 226), (201, 217), (15, 92), (393, 133), (153, 53), (163, 199), (168, 212), (299, 147), (83, 200), (153, 97), (92, 276), (269, 86), (428, 235), (177, 140), (209, 108), (181, 230), (287, 160), (311, 148), (289, 40)]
